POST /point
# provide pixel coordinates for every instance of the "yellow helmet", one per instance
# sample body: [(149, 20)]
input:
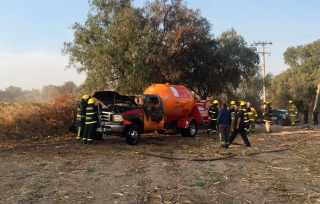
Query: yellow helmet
[(91, 101), (290, 101), (215, 102), (242, 103), (232, 102), (85, 96), (267, 102)]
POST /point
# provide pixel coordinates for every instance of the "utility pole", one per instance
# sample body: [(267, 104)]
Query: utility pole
[(263, 43)]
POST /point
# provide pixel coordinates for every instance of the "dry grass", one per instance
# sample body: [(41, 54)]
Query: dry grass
[(34, 120)]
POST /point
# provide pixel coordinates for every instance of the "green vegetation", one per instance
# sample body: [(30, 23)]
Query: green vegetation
[(161, 42), (91, 169)]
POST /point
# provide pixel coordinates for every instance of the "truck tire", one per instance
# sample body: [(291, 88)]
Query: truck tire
[(280, 122), (191, 131), (132, 134)]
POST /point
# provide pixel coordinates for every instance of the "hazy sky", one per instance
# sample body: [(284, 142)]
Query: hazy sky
[(32, 33)]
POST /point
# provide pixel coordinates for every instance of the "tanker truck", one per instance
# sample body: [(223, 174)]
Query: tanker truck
[(161, 107)]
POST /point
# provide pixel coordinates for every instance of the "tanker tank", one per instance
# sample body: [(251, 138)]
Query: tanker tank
[(177, 100)]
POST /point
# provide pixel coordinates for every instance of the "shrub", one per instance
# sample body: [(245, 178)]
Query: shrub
[(34, 120)]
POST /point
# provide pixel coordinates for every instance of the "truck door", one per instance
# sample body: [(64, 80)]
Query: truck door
[(154, 119)]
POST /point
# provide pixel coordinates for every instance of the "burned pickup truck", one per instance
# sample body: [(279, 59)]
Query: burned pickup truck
[(160, 107)]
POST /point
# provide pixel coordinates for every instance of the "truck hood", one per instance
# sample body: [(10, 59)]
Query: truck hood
[(110, 97)]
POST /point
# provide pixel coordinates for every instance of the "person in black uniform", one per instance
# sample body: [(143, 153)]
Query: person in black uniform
[(213, 112), (91, 122), (315, 116), (81, 115), (239, 126), (305, 113)]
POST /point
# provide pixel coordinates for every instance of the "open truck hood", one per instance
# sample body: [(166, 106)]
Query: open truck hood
[(110, 97)]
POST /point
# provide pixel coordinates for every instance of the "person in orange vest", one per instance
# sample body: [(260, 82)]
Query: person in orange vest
[(292, 111)]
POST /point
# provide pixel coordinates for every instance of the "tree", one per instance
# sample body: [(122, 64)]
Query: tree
[(127, 49), (13, 93), (298, 83), (68, 88), (48, 92)]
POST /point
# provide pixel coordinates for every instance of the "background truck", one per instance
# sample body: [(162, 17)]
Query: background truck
[(159, 108)]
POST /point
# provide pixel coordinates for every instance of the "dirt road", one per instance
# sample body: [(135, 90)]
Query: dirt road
[(282, 167)]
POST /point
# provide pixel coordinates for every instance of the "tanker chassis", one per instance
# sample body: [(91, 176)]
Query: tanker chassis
[(161, 107)]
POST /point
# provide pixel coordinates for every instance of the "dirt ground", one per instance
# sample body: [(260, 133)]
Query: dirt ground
[(281, 167)]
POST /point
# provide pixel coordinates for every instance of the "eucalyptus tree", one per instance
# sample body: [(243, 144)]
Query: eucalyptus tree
[(234, 63), (127, 49), (299, 82)]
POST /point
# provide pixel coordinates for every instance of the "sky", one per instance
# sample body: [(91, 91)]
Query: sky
[(32, 34)]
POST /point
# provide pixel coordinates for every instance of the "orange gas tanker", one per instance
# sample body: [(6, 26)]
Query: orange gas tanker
[(177, 100)]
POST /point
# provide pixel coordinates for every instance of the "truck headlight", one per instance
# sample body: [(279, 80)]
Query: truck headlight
[(117, 118)]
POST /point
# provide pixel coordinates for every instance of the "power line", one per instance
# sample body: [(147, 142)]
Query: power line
[(313, 35)]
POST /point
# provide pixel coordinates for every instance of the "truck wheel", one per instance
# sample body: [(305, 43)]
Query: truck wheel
[(280, 122), (191, 131), (132, 134)]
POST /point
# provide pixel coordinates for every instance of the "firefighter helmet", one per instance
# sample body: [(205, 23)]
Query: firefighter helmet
[(85, 97), (267, 102), (290, 101), (242, 103), (248, 103), (91, 101), (232, 102), (215, 102)]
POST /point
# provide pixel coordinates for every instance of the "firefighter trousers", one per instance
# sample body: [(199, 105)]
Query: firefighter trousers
[(80, 127)]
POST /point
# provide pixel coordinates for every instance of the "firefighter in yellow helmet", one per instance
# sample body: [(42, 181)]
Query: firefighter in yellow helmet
[(91, 121), (81, 115), (232, 110), (243, 107), (292, 111), (252, 114), (213, 112)]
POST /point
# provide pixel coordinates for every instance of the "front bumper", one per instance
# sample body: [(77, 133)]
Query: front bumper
[(111, 128)]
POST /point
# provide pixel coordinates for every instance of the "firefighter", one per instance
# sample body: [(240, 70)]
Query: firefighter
[(81, 115), (292, 111), (213, 113), (252, 114), (239, 126), (243, 107), (267, 116), (231, 109), (91, 121)]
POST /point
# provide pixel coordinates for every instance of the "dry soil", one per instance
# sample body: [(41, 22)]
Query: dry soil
[(281, 167)]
